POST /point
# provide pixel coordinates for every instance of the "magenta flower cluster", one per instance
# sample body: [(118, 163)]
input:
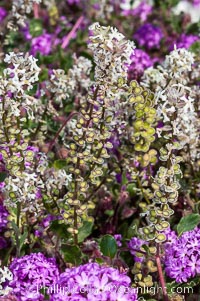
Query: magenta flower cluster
[(148, 36), (41, 44), (184, 41), (3, 14), (182, 256), (31, 274), (140, 61), (93, 282), (35, 276)]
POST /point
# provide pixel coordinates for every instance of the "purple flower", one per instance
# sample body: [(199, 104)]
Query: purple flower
[(3, 14), (142, 10), (72, 2), (41, 44), (45, 223), (196, 2), (32, 273), (47, 220), (118, 177), (3, 243), (3, 218), (148, 36), (134, 246), (118, 238), (140, 61), (26, 32), (184, 41), (182, 257), (95, 283)]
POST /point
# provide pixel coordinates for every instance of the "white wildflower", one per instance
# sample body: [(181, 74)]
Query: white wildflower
[(5, 275), (63, 85), (185, 6), (178, 62), (57, 179), (111, 53), (20, 9), (24, 72), (23, 189), (174, 99)]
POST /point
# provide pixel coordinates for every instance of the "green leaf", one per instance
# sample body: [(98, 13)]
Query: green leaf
[(99, 260), (35, 27), (15, 228), (43, 74), (131, 188), (66, 60), (195, 47), (188, 223), (59, 229), (59, 164), (193, 28), (109, 212), (69, 107), (3, 175), (33, 90), (124, 178), (108, 246), (46, 59), (22, 239), (72, 254), (85, 231)]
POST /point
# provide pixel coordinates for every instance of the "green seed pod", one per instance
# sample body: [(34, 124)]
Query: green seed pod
[(81, 142), (108, 145), (138, 124), (139, 98), (139, 114), (151, 131), (120, 82), (78, 126), (145, 147), (146, 231), (160, 238), (132, 99), (133, 84), (137, 91)]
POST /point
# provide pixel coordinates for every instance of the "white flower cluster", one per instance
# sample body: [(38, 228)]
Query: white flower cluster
[(105, 9), (63, 85), (5, 275), (186, 7), (111, 53), (23, 189), (178, 62), (175, 102), (27, 187), (18, 78), (23, 72), (59, 85), (129, 5), (20, 8), (57, 178), (81, 71)]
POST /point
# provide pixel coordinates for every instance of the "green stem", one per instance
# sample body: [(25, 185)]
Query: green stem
[(78, 167), (4, 117), (59, 131), (18, 214), (18, 226)]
